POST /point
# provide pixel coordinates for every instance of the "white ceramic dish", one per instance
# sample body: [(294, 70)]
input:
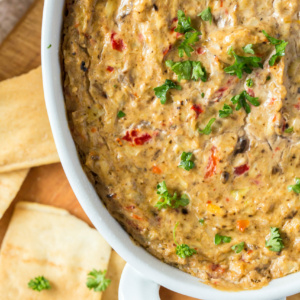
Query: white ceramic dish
[(154, 273)]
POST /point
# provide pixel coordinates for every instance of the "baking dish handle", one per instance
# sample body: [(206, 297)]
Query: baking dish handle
[(134, 286)]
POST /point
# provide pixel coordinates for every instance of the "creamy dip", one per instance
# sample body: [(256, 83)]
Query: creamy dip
[(232, 186)]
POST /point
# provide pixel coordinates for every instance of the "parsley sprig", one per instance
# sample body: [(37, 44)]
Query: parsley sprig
[(275, 241), (242, 64), (184, 23), (248, 49), (186, 162), (39, 283), (190, 39), (182, 250), (188, 70), (280, 46), (238, 247), (167, 200), (295, 187), (96, 280), (206, 15), (121, 114), (207, 129), (241, 101), (221, 239), (161, 91), (226, 111)]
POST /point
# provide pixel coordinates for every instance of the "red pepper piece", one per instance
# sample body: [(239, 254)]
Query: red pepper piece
[(142, 139), (212, 163), (117, 44), (241, 170), (198, 110)]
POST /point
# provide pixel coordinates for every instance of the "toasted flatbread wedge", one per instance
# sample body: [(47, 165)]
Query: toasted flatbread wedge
[(45, 241), (115, 269), (10, 184), (25, 135)]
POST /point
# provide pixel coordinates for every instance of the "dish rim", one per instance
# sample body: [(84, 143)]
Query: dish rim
[(146, 264)]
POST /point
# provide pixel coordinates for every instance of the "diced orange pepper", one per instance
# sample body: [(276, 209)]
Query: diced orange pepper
[(156, 170), (242, 224), (214, 209), (212, 163)]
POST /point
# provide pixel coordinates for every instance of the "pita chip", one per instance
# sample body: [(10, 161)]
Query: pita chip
[(10, 184), (114, 272), (45, 241), (25, 135)]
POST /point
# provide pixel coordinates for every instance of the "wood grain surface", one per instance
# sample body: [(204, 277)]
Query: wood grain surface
[(20, 53)]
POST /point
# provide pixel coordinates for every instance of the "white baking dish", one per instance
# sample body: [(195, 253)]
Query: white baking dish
[(143, 284)]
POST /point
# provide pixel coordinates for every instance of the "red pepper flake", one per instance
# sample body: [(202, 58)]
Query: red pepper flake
[(212, 163), (110, 69), (221, 4), (137, 217), (142, 139), (93, 129), (172, 29), (208, 202), (130, 207), (297, 106), (241, 170), (198, 110), (117, 44), (200, 50), (127, 137), (166, 50), (251, 92), (175, 19)]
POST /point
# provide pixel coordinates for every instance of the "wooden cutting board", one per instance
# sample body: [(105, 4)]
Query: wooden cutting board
[(20, 53)]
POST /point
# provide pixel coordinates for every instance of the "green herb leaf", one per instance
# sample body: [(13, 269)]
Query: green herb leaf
[(280, 46), (275, 242), (120, 114), (161, 91), (248, 49), (238, 247), (39, 283), (188, 70), (249, 82), (206, 15), (268, 78), (167, 200), (202, 95), (202, 221), (49, 46), (226, 111), (241, 101), (242, 64), (207, 130), (221, 239), (182, 250), (190, 39), (96, 280), (199, 72), (186, 162), (184, 23), (295, 187), (289, 130)]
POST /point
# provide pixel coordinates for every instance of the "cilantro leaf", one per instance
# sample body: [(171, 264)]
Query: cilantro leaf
[(280, 46), (295, 187), (120, 114), (238, 247), (184, 23), (226, 111), (186, 162), (161, 91), (207, 130), (188, 70), (241, 101), (221, 239), (249, 82), (39, 283), (289, 130), (96, 280), (190, 39), (167, 200), (248, 49), (202, 221), (206, 15), (242, 64), (198, 71), (275, 242), (182, 250)]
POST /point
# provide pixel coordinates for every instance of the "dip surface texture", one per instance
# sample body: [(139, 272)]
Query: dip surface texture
[(114, 54)]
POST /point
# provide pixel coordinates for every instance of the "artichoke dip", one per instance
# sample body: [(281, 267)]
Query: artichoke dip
[(186, 119)]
